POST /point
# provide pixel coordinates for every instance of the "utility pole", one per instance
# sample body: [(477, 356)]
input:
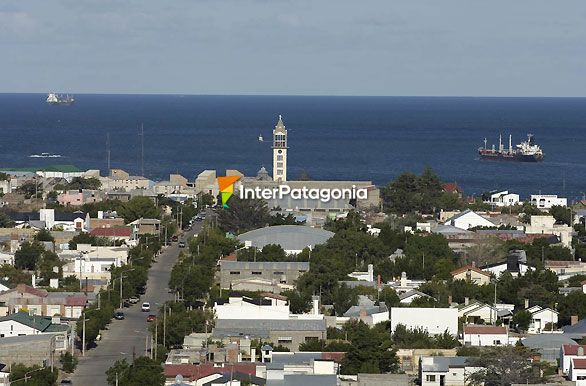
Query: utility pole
[(165, 324), (108, 150), (120, 290), (141, 135), (83, 337), (156, 337)]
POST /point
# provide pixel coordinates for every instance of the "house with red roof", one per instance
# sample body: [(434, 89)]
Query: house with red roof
[(452, 187), (577, 371), (112, 234), (569, 352), (485, 335), (43, 303), (471, 274)]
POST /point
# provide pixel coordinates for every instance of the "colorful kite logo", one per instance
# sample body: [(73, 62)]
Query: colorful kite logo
[(226, 185)]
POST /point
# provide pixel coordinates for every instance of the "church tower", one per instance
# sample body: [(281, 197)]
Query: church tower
[(280, 152)]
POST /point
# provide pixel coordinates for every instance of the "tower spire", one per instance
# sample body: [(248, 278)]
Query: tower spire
[(280, 151)]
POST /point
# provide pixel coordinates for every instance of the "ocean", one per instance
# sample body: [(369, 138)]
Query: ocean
[(330, 138)]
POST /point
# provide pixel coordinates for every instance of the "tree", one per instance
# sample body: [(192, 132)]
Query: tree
[(27, 257), (522, 320), (82, 238), (15, 276), (298, 302), (68, 362), (503, 366), (389, 297), (243, 215), (371, 350), (144, 371), (44, 235), (5, 221), (562, 214), (35, 375), (139, 207), (78, 183)]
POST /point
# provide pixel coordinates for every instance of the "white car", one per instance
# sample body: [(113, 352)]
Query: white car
[(146, 307)]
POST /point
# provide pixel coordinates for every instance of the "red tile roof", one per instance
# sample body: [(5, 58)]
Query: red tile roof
[(572, 349), (195, 372), (485, 330), (111, 232), (579, 363), (451, 187), (76, 300), (23, 288), (471, 268), (333, 356)]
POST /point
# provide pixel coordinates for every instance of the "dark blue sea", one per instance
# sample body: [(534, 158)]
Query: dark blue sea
[(364, 138)]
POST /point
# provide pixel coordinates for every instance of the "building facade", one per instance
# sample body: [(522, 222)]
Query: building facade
[(280, 152)]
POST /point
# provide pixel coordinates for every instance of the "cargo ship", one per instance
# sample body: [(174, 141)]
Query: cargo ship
[(57, 99), (526, 151)]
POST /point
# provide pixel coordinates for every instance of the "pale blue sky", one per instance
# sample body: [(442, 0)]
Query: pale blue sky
[(308, 47)]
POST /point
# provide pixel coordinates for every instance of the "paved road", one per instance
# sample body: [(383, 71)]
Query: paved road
[(128, 335)]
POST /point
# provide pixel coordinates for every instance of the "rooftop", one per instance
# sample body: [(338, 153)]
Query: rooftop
[(289, 237), (481, 330)]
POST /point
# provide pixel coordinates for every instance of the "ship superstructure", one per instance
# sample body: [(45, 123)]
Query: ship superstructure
[(59, 99), (526, 151)]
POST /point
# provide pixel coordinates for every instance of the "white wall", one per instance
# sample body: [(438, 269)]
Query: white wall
[(485, 339), (434, 320), (238, 309), (10, 328)]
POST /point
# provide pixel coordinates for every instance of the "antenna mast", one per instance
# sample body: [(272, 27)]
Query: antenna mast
[(141, 134), (108, 150)]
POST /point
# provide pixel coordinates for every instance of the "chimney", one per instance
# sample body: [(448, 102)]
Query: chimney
[(370, 273), (573, 319), (315, 308), (100, 214), (473, 264), (34, 280), (403, 279), (362, 313), (466, 301), (450, 300), (526, 303), (580, 352)]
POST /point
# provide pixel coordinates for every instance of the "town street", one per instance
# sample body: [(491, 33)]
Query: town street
[(124, 337)]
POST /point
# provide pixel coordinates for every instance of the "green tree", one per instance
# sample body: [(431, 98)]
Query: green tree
[(15, 276), (35, 375), (562, 214), (243, 215), (144, 371), (82, 238), (389, 297), (27, 257), (522, 320), (371, 350), (298, 302), (138, 207), (78, 183), (44, 235), (68, 362), (5, 220)]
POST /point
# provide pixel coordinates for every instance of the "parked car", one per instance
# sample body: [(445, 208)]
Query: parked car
[(134, 300), (119, 315), (146, 307), (182, 244), (174, 238), (66, 382), (151, 318)]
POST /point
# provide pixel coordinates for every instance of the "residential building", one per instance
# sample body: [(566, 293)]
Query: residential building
[(545, 225), (471, 274), (232, 273), (366, 311), (485, 335), (145, 226), (515, 264), (409, 296), (93, 262), (569, 352), (6, 258), (49, 219), (278, 365), (104, 220), (577, 371), (542, 319), (577, 329), (121, 180), (290, 333), (453, 187), (207, 183), (199, 374), (79, 197), (546, 201), (21, 324), (504, 198), (433, 320), (32, 350), (40, 302), (246, 308), (445, 371), (113, 234), (468, 219), (292, 238), (362, 379), (548, 346), (565, 269), (477, 312)]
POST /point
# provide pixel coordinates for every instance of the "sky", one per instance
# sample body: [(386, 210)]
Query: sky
[(295, 47)]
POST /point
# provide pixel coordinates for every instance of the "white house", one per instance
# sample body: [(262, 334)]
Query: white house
[(485, 335), (445, 371), (6, 258), (540, 318), (546, 225), (433, 320), (477, 312), (504, 198), (409, 296), (468, 219), (577, 372), (93, 262), (246, 308), (21, 324), (546, 201), (569, 352)]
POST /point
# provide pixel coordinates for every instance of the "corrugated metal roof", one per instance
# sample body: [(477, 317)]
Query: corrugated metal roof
[(301, 265), (289, 237)]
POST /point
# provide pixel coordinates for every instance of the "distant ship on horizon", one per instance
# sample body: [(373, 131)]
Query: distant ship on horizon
[(59, 99), (526, 151), (45, 155)]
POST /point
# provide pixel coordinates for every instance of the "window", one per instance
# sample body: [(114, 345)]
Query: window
[(234, 272), (430, 378), (280, 157), (496, 342), (284, 339), (311, 338), (581, 377), (256, 273), (279, 273), (279, 172), (279, 164), (302, 271)]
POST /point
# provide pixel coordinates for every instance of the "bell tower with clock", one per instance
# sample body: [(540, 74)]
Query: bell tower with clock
[(280, 152)]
